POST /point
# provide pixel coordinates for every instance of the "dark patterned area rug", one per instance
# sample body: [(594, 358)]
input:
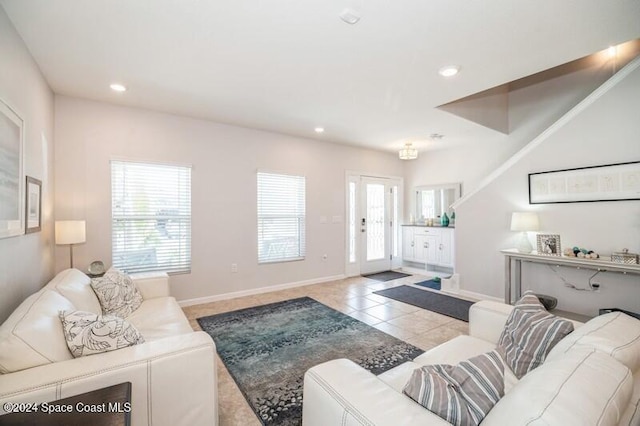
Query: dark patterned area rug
[(386, 276), (425, 299), (267, 350)]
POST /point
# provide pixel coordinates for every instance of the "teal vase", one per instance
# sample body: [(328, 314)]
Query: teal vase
[(444, 220)]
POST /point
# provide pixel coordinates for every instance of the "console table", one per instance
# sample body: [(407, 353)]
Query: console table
[(513, 262)]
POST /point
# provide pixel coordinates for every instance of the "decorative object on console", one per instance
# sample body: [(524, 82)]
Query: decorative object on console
[(524, 222), (33, 203), (444, 220), (12, 182), (610, 182), (581, 253), (71, 232), (548, 244), (408, 152), (625, 257)]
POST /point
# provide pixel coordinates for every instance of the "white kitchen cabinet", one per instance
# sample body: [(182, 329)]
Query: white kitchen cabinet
[(428, 245)]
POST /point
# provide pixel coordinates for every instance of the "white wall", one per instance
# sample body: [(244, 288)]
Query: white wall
[(225, 160), (606, 132), (531, 109), (26, 261)]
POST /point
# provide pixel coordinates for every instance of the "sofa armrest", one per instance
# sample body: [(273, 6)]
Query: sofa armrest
[(487, 319), (342, 393), (173, 380), (152, 284)]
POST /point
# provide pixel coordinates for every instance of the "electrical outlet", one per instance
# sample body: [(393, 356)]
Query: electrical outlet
[(234, 268)]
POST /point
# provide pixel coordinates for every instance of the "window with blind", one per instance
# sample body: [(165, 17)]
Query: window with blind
[(281, 217), (151, 217)]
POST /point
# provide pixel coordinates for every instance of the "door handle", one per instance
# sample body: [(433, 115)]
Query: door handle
[(440, 246), (412, 243)]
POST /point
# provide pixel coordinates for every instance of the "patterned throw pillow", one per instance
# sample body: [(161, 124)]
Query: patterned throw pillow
[(117, 293), (529, 334), (87, 333), (463, 394)]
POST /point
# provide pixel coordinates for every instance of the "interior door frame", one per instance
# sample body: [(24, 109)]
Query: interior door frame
[(352, 269)]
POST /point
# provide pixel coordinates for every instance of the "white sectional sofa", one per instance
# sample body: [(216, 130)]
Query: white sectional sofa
[(173, 373), (591, 377)]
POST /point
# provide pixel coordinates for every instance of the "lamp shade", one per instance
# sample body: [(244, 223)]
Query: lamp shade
[(70, 231), (524, 221)]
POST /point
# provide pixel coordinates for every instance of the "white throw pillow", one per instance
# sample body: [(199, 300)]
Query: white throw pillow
[(87, 333), (117, 293)]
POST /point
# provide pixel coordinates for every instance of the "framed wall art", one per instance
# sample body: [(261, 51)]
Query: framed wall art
[(33, 204), (611, 182), (11, 173), (549, 244)]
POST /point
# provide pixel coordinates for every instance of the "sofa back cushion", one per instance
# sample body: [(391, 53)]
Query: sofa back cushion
[(76, 286), (581, 388), (615, 333), (33, 335)]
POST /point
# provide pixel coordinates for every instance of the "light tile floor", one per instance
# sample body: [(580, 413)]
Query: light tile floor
[(352, 296)]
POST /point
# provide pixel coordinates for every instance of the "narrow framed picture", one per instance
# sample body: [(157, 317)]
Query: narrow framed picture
[(11, 172), (549, 244), (33, 202)]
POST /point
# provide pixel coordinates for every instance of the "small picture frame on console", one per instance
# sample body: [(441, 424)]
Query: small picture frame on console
[(549, 244)]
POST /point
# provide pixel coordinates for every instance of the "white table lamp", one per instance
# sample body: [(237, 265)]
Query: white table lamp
[(70, 232), (524, 222)]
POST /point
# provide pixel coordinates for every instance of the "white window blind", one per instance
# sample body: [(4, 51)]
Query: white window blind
[(151, 217), (281, 217)]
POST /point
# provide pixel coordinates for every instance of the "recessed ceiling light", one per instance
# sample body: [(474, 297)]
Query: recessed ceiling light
[(319, 129), (350, 16), (612, 51), (116, 87), (436, 136), (449, 70)]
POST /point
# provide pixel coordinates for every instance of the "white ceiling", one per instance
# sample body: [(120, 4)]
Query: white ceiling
[(291, 65)]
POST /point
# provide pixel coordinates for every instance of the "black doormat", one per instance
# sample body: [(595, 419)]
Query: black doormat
[(434, 284), (436, 302), (386, 276)]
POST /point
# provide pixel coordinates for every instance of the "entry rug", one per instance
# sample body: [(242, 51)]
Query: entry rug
[(435, 284), (267, 350), (386, 276), (425, 299)]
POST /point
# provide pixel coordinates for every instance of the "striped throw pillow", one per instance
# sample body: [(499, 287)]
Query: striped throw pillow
[(529, 335), (463, 394)]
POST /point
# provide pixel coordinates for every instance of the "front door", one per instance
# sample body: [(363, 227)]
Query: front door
[(375, 225)]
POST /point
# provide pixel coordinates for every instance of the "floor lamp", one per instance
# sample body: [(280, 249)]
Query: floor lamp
[(70, 232)]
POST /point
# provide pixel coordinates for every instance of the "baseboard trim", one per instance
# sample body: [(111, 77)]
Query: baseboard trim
[(260, 290), (479, 296)]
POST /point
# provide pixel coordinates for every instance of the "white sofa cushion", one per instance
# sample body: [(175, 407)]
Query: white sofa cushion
[(529, 334), (616, 334), (159, 318), (631, 416), (454, 351), (87, 333), (33, 335), (462, 394), (117, 293), (580, 388), (76, 286)]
